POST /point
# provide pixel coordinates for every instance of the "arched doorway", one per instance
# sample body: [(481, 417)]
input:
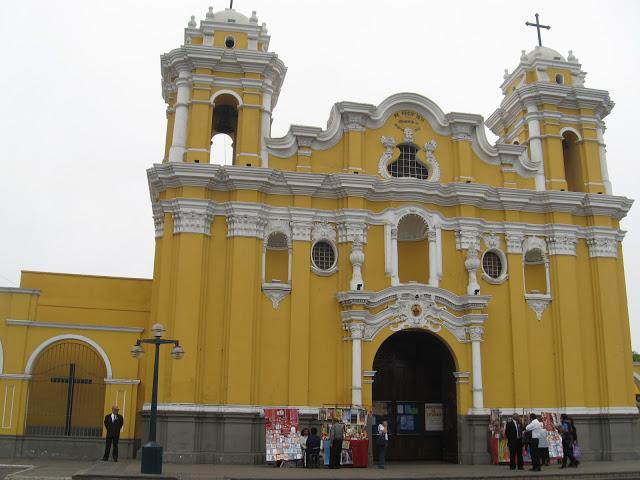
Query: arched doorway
[(414, 389), (66, 392)]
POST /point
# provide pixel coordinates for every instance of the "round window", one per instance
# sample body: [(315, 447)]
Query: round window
[(229, 42), (492, 264), (323, 255)]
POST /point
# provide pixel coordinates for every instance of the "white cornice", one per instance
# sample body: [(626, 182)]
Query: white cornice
[(340, 185), (121, 381), (24, 291), (73, 326)]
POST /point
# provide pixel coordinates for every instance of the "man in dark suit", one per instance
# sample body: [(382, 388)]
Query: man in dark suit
[(113, 423), (513, 432)]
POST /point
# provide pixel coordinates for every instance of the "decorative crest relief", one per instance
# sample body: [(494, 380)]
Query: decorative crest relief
[(538, 303), (466, 239), (562, 244), (245, 226), (602, 246), (491, 240), (323, 231), (192, 219), (418, 312)]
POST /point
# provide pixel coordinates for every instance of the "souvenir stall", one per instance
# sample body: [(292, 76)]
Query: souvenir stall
[(282, 436), (355, 447), (498, 441)]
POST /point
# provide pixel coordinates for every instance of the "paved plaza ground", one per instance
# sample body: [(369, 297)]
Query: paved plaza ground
[(47, 469)]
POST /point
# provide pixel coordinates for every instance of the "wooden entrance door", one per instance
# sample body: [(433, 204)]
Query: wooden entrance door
[(414, 390)]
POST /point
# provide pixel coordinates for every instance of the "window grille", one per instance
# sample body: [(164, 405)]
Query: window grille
[(492, 265), (323, 255), (407, 164), (277, 241)]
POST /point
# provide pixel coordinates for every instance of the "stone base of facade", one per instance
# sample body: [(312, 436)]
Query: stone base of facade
[(239, 438), (61, 447)]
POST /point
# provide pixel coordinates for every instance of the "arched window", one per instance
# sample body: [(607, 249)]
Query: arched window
[(559, 79), (408, 164), (225, 125), (413, 250), (277, 258), (572, 159), (534, 272), (66, 392)]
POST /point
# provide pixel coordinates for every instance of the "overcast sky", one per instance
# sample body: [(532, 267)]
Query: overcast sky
[(82, 115)]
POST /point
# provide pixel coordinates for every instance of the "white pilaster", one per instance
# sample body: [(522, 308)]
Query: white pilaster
[(475, 334), (265, 127), (357, 330), (395, 279), (433, 258), (604, 170), (535, 145), (179, 140)]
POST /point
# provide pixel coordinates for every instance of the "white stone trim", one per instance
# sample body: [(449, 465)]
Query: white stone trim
[(15, 376), (226, 91), (340, 185), (229, 408), (572, 130), (121, 381), (537, 302), (68, 336), (73, 326), (568, 410), (400, 314), (25, 291)]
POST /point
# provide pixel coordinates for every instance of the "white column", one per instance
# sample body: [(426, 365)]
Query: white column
[(475, 334), (535, 145), (179, 140), (472, 263), (395, 279), (357, 331), (433, 259), (290, 251), (265, 128), (357, 259), (604, 170), (264, 261)]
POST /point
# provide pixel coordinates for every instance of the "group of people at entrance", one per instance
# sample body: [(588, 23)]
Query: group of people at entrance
[(533, 436)]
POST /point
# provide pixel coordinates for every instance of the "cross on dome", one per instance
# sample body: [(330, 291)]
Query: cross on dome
[(538, 26)]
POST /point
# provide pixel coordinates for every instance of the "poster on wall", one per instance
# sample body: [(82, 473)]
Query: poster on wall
[(433, 417)]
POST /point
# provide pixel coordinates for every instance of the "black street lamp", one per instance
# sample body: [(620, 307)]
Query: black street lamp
[(152, 451)]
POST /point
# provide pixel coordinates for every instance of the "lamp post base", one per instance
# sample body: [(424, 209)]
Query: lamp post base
[(151, 458)]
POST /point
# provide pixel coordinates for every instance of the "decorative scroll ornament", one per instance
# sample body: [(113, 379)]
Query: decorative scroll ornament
[(276, 292), (475, 333), (538, 303), (245, 226), (434, 170), (420, 312), (192, 220)]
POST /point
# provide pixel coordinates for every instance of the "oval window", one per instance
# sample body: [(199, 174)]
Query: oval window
[(492, 264), (323, 255)]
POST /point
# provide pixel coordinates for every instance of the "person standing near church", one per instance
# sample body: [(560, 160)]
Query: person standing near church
[(113, 423), (537, 430), (383, 440), (513, 432), (336, 435)]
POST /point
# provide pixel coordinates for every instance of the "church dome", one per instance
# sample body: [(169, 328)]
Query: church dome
[(229, 15), (545, 53)]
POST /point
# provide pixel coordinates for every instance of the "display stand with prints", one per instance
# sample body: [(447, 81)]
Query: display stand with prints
[(282, 436), (355, 447), (498, 442)]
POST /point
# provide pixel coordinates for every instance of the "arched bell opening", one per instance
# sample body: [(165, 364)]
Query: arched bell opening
[(572, 161), (413, 249), (224, 129), (415, 391)]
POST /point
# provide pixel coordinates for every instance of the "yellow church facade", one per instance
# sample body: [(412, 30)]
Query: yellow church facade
[(393, 258)]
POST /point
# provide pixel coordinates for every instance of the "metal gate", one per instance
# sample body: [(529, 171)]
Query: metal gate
[(66, 393)]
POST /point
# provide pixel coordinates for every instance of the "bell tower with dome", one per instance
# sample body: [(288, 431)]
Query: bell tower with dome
[(223, 80), (547, 108)]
